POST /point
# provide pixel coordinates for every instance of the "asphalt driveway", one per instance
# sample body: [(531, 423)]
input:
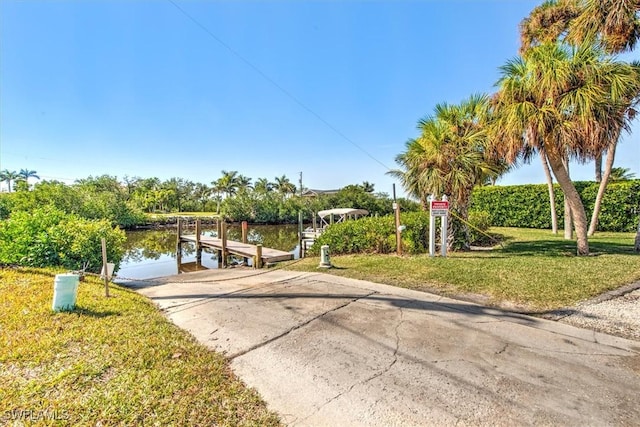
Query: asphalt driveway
[(324, 350)]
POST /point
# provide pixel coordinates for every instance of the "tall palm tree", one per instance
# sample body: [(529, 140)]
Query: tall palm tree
[(263, 186), (284, 186), (8, 177), (614, 22), (547, 23), (410, 171), (450, 157), (244, 183), (202, 192), (555, 99), (24, 175), (227, 183)]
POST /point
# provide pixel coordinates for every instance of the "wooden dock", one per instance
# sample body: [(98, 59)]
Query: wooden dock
[(259, 254), (245, 250)]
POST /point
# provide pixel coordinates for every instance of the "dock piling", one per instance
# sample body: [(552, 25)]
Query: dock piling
[(179, 243), (258, 260), (198, 245), (223, 230)]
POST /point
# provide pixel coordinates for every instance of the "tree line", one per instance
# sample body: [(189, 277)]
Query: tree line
[(564, 97), (129, 201)]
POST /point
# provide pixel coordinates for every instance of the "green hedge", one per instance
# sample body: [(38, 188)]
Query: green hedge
[(49, 237), (528, 205)]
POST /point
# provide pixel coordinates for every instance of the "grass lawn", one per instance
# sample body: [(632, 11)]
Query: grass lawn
[(535, 270), (112, 361)]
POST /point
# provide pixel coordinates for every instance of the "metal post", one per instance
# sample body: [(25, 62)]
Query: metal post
[(432, 230), (396, 208), (300, 227), (443, 232)]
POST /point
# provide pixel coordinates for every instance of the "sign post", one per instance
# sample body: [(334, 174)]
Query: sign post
[(432, 229), (438, 208), (444, 227)]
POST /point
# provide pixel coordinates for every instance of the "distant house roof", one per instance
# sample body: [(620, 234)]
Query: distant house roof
[(313, 193)]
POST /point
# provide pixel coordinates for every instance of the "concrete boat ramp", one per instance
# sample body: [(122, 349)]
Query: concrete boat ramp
[(324, 350)]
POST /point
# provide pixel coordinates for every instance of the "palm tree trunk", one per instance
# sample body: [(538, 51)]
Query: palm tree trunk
[(568, 215), (573, 201), (611, 154), (598, 166), (552, 193), (568, 223)]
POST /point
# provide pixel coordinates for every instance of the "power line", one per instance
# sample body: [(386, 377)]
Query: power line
[(274, 83)]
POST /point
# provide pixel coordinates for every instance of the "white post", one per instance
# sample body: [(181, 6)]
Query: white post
[(432, 229), (325, 261), (443, 232)]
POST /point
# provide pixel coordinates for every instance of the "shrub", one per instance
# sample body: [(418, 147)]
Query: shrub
[(49, 237), (376, 235), (528, 205)]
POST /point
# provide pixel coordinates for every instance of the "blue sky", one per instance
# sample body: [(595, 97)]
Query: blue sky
[(266, 88)]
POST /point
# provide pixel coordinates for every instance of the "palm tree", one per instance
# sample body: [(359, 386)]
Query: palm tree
[(614, 22), (263, 186), (621, 174), (547, 23), (284, 186), (368, 187), (450, 157), (8, 177), (615, 25), (24, 175), (227, 183), (557, 99), (244, 183), (202, 192), (410, 172)]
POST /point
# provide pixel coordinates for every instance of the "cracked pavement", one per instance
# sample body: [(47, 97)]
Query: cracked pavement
[(326, 350)]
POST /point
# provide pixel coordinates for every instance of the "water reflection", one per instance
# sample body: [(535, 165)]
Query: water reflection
[(152, 253)]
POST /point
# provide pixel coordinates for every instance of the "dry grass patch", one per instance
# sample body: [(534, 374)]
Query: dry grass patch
[(112, 361)]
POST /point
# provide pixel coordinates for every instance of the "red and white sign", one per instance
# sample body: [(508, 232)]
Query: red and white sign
[(439, 208)]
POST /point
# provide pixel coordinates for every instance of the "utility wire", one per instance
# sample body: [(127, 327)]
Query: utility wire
[(274, 83)]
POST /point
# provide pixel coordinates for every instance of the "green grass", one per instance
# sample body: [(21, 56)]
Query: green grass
[(535, 270), (112, 361)]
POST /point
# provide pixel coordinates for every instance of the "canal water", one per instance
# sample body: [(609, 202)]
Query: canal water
[(152, 253)]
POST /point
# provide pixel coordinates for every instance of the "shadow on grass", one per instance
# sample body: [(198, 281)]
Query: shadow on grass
[(83, 311), (563, 248)]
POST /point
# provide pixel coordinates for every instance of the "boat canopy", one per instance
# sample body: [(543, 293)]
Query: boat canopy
[(343, 212), (326, 216)]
